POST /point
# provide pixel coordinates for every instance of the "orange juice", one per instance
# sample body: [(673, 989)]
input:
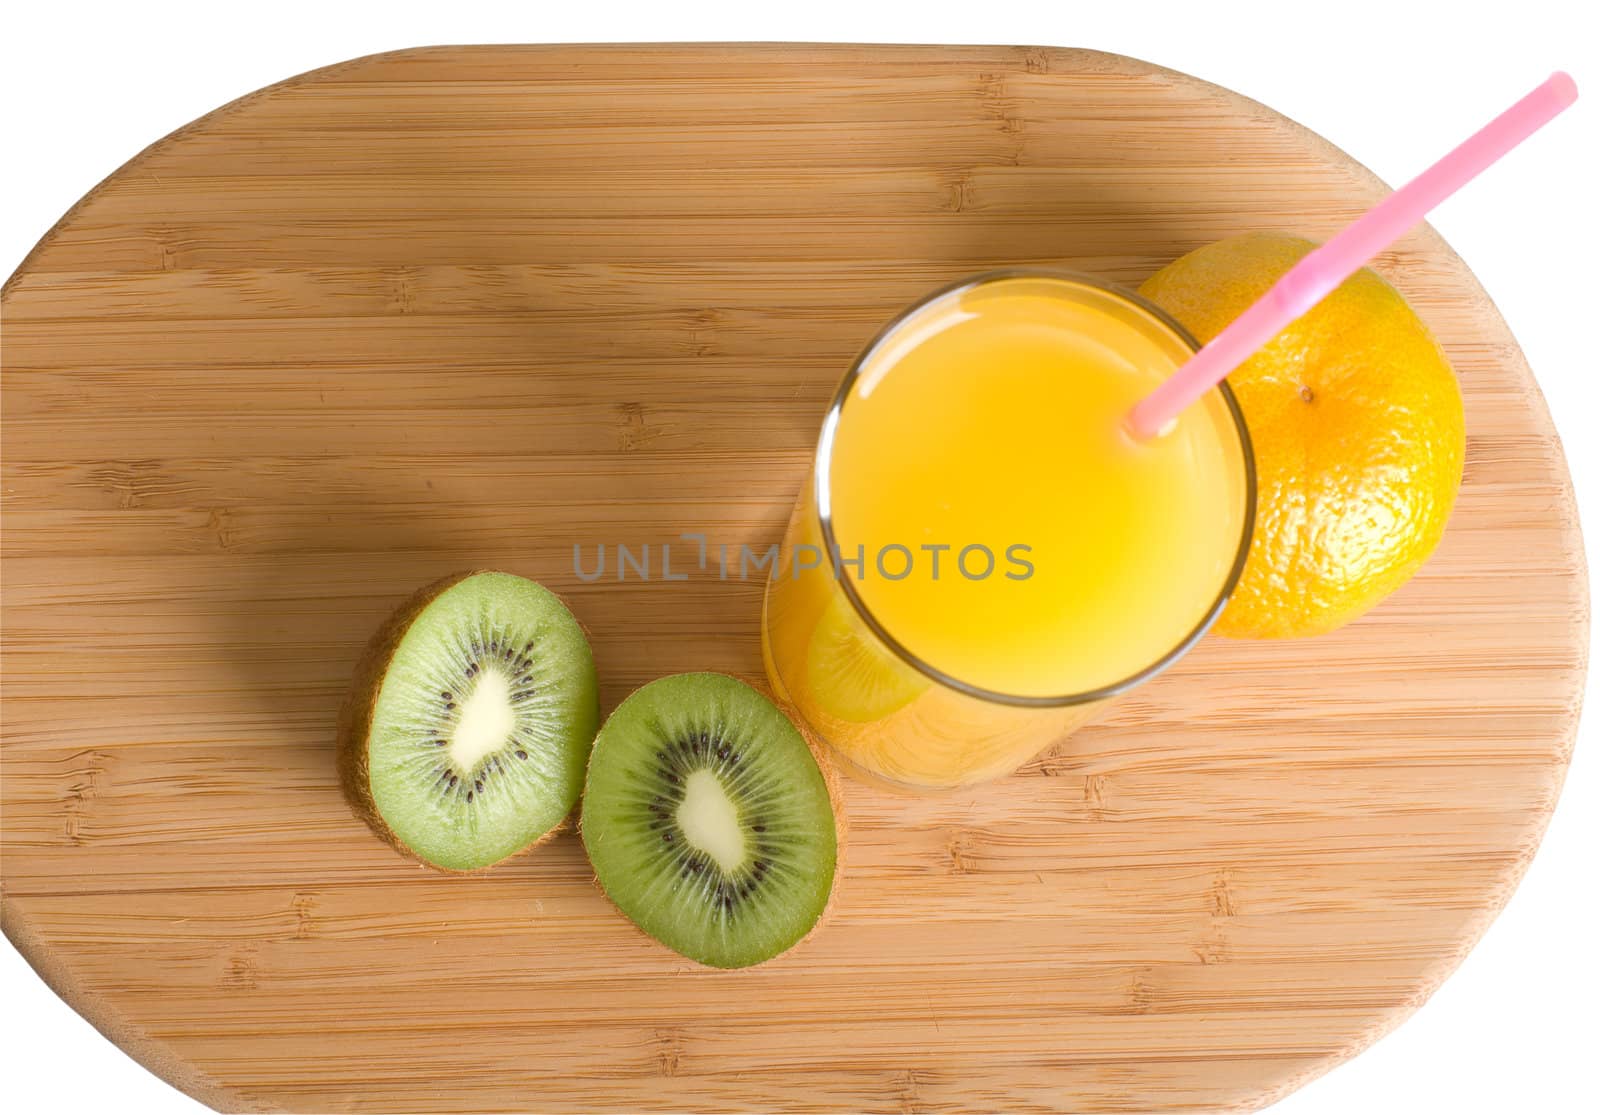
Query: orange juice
[(984, 552)]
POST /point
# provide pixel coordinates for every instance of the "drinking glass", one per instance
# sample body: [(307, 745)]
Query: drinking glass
[(987, 419)]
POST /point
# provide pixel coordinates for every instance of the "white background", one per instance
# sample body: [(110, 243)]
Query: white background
[(1392, 83)]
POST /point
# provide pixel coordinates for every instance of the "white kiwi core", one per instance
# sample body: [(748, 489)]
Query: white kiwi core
[(710, 820), (487, 720)]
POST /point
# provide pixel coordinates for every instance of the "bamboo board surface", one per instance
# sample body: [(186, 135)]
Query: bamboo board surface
[(465, 307)]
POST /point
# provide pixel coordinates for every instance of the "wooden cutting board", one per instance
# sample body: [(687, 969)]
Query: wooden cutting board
[(469, 306)]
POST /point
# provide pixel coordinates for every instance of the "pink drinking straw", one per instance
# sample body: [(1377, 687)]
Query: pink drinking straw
[(1321, 271)]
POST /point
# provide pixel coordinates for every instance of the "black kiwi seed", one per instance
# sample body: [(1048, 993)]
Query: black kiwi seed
[(469, 795), (758, 828), (522, 754), (453, 781), (477, 784), (675, 758)]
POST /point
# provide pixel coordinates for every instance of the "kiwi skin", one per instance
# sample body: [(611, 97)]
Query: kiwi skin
[(830, 778), (355, 721)]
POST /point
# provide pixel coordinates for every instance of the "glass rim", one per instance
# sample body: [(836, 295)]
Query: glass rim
[(821, 474)]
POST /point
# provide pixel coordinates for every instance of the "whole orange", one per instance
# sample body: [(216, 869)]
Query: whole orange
[(1358, 430)]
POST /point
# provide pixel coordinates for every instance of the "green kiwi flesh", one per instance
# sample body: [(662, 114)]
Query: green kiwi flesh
[(467, 732), (708, 821)]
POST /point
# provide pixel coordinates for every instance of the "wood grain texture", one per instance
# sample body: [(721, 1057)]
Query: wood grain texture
[(464, 307)]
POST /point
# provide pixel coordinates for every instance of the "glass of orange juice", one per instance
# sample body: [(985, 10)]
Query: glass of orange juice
[(984, 555)]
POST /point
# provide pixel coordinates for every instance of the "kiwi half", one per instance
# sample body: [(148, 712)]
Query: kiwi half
[(709, 821), (468, 727)]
